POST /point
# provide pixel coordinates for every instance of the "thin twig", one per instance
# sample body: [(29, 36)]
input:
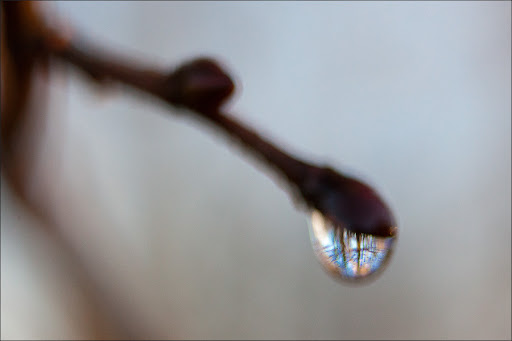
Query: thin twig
[(202, 87)]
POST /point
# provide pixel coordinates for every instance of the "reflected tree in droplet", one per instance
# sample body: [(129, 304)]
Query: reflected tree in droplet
[(348, 255)]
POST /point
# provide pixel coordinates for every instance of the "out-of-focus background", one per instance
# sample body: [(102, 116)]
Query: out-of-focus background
[(186, 238)]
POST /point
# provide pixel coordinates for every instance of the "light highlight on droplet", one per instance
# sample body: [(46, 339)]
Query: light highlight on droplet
[(348, 255)]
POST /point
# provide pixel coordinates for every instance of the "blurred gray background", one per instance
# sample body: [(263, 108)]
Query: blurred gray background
[(191, 240)]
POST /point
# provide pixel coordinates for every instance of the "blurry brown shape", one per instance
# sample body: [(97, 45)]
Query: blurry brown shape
[(21, 61)]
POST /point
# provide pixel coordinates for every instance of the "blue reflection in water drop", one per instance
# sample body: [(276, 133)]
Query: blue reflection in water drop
[(348, 255)]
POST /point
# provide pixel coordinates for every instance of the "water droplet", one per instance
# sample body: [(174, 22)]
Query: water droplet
[(348, 255)]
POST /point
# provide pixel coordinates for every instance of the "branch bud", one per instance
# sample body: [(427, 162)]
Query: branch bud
[(200, 85)]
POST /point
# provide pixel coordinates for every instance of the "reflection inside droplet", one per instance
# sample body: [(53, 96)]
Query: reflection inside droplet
[(345, 254)]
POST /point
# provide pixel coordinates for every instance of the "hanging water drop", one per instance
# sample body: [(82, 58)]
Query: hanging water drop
[(349, 255)]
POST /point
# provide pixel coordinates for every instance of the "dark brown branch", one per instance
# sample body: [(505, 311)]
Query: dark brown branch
[(202, 87)]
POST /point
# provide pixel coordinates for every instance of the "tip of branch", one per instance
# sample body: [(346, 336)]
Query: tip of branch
[(348, 202), (200, 85)]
